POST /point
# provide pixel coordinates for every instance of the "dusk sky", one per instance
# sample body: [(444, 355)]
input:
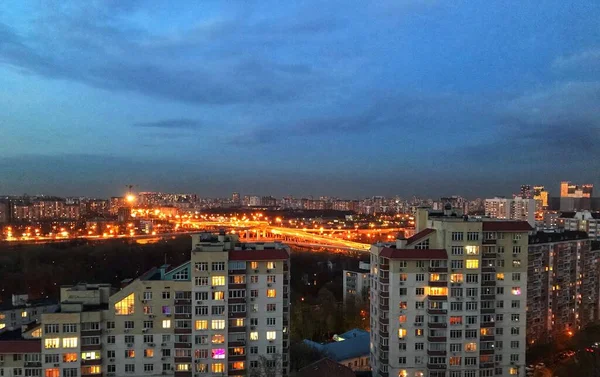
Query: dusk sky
[(341, 98)]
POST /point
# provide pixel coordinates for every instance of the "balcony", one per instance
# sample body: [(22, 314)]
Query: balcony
[(85, 362), (237, 286), (384, 321), (384, 267), (488, 269), (236, 372), (437, 311), (384, 307), (437, 325), (488, 242), (91, 332), (487, 364), (384, 280), (438, 283), (183, 345), (486, 352), (384, 334), (487, 338), (487, 324), (436, 353), (38, 364), (183, 301), (183, 374), (384, 294), (239, 328), (488, 283), (436, 366), (485, 297), (237, 357), (241, 314), (438, 269), (183, 315), (384, 348), (286, 282), (436, 338), (238, 300), (183, 359), (488, 310), (91, 347), (183, 330), (437, 298), (383, 374), (488, 255)]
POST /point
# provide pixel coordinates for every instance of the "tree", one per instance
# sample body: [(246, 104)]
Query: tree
[(302, 355)]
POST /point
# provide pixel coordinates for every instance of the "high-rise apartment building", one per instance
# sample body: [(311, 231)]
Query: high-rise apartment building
[(511, 209), (570, 190), (356, 283), (562, 284), (223, 313), (450, 300)]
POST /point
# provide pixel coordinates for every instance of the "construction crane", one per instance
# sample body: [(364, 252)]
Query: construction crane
[(130, 197)]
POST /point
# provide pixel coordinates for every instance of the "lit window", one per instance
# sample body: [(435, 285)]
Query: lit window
[(37, 333), (218, 353), (91, 355), (51, 343), (69, 342), (218, 339), (217, 324), (270, 265), (217, 368), (148, 352), (472, 263), (471, 347), (218, 280), (456, 278), (403, 373), (254, 265), (237, 365), (271, 335), (202, 324), (513, 371), (52, 372), (166, 324), (219, 295), (126, 306), (70, 357), (500, 276), (238, 322), (271, 293), (402, 318), (91, 369), (472, 250), (2, 325), (180, 367), (437, 291), (516, 291), (254, 335), (24, 314), (401, 333), (129, 354)]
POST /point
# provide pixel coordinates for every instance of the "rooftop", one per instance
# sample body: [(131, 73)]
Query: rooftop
[(548, 237), (355, 344), (30, 304), (325, 368), (422, 234)]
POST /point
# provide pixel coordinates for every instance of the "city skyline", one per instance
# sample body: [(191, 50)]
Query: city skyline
[(356, 99)]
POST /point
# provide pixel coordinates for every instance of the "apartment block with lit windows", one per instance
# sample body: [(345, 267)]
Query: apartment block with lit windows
[(212, 316), (451, 300), (564, 284)]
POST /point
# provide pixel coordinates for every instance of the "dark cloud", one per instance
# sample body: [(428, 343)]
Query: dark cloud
[(181, 123)]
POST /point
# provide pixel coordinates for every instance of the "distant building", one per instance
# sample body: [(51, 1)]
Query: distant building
[(235, 198), (562, 284), (254, 201), (526, 192), (570, 190), (584, 221), (350, 349), (356, 283), (511, 209), (116, 203), (4, 212), (22, 311), (540, 195)]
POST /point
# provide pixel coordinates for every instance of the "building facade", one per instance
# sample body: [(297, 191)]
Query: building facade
[(451, 300), (570, 190), (518, 208), (22, 311), (563, 284), (584, 221), (223, 313), (356, 283)]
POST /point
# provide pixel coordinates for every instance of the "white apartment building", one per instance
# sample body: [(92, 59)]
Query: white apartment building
[(519, 209), (585, 221), (451, 300), (356, 283), (22, 311), (216, 315)]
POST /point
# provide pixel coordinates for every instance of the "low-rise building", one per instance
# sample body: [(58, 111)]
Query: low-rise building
[(22, 311), (356, 283), (350, 349), (584, 221)]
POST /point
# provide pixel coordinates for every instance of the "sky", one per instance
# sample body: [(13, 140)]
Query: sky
[(341, 98)]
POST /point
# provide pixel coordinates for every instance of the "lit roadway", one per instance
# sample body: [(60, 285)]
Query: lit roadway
[(287, 235)]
